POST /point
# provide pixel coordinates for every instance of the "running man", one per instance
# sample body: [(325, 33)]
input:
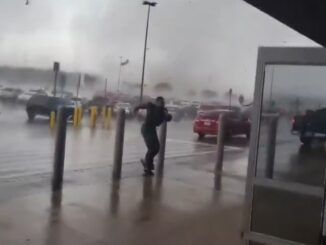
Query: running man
[(155, 116)]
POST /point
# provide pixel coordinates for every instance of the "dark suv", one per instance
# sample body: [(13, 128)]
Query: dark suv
[(43, 105), (310, 126)]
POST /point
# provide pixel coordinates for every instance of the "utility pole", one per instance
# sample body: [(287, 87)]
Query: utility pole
[(119, 77), (56, 69), (122, 63)]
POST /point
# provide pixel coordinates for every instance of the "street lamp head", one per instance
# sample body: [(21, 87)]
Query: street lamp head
[(152, 4)]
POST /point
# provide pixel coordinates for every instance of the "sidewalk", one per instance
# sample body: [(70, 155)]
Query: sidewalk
[(180, 208)]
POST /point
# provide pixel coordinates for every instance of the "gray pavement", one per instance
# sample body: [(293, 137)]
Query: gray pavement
[(26, 149), (181, 208)]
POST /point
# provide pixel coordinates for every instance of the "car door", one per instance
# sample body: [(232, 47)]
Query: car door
[(318, 124), (43, 105), (235, 124)]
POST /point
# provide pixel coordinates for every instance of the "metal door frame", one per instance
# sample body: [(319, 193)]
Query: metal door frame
[(313, 56)]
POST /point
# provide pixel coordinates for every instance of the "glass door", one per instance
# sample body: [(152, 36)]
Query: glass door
[(286, 171)]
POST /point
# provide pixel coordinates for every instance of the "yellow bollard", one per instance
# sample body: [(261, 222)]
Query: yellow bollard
[(79, 115), (52, 119), (109, 117), (106, 117), (104, 112), (75, 119), (92, 118)]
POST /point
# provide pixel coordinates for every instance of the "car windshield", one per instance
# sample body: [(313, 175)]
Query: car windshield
[(211, 115), (207, 107), (8, 89), (59, 101), (216, 114)]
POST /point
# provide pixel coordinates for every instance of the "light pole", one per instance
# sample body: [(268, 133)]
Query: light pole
[(78, 85), (150, 4), (119, 74), (230, 98), (106, 88), (122, 63)]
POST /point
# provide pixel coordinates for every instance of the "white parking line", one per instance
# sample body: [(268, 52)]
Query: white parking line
[(201, 143), (188, 142)]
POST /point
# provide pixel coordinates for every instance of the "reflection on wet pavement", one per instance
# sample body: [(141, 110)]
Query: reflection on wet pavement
[(176, 209), (135, 211), (115, 198), (54, 221), (31, 152)]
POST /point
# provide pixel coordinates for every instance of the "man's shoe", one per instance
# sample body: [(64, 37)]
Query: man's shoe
[(143, 162), (151, 167), (148, 173)]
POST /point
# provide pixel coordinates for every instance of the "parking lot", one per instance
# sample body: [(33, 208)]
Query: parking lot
[(27, 148)]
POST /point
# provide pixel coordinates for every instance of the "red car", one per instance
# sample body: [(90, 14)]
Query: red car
[(206, 123)]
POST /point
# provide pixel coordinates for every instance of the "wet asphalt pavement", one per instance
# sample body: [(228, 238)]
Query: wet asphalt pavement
[(27, 148), (180, 208), (183, 204)]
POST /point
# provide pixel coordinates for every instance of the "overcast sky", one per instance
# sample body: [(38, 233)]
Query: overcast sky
[(192, 43)]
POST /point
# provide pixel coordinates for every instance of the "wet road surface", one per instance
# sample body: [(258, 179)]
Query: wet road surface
[(27, 149), (181, 208)]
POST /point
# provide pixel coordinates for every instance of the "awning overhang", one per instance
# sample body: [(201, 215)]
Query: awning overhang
[(307, 17)]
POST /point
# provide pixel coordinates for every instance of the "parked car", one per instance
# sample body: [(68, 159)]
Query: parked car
[(100, 102), (190, 111), (206, 123), (176, 112), (195, 104), (311, 125), (83, 102), (9, 93), (43, 105), (123, 105), (25, 96), (63, 94), (215, 106)]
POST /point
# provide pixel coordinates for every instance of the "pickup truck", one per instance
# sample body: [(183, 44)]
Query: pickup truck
[(43, 105), (311, 125)]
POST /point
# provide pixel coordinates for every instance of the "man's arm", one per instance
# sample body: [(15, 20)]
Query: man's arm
[(167, 115), (141, 106)]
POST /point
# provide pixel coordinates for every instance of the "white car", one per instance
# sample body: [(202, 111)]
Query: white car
[(9, 93), (126, 106)]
